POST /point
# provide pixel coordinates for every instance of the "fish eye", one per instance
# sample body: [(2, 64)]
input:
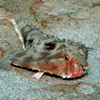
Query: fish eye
[(50, 46), (66, 58)]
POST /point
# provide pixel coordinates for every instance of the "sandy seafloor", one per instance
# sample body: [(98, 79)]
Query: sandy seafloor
[(78, 20)]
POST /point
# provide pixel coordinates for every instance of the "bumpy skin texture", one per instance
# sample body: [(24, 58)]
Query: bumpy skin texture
[(49, 54)]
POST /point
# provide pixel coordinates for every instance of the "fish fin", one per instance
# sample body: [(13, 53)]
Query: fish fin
[(5, 64), (38, 75)]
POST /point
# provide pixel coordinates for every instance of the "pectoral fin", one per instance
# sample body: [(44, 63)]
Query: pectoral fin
[(38, 75)]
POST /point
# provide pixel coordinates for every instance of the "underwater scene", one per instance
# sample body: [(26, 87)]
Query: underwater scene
[(49, 49)]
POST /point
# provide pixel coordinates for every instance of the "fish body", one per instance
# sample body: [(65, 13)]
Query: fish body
[(47, 53)]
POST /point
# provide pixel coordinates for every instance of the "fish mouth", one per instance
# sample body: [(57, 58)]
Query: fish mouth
[(75, 71), (77, 75)]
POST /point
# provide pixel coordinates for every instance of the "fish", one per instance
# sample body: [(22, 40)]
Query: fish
[(44, 52)]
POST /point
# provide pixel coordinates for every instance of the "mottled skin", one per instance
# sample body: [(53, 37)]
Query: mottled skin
[(47, 53)]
